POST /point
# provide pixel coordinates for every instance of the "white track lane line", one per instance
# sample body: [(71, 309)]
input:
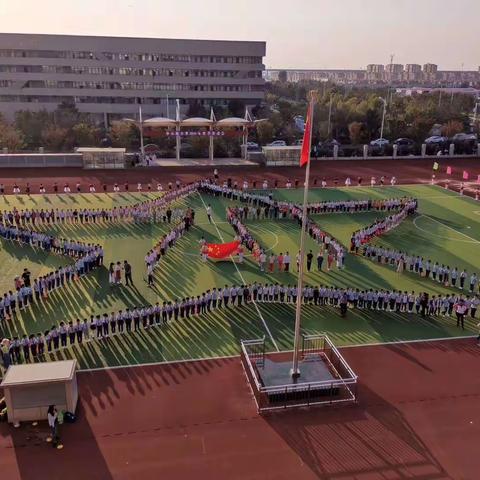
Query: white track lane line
[(450, 228), (243, 280), (228, 357)]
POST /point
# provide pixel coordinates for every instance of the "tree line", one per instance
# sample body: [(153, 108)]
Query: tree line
[(351, 115), (354, 114)]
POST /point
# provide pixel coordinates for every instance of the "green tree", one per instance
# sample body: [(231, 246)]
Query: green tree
[(31, 124), (85, 135), (236, 108), (356, 131), (67, 115), (265, 132), (54, 138), (11, 137), (197, 147), (373, 122), (123, 134), (195, 109), (452, 127), (282, 76)]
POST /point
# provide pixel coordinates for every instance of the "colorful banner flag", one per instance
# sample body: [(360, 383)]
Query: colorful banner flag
[(449, 170), (222, 250), (465, 175), (435, 165), (307, 137)]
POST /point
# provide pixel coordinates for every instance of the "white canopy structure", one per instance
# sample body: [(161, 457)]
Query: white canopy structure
[(196, 122), (211, 124), (234, 122), (160, 122)]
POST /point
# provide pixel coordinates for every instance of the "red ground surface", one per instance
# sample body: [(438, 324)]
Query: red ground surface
[(418, 416), (406, 171)]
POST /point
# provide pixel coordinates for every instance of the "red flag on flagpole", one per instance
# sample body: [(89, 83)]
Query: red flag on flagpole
[(307, 137), (465, 175), (449, 170)]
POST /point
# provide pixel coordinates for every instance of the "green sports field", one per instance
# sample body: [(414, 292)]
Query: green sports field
[(446, 229)]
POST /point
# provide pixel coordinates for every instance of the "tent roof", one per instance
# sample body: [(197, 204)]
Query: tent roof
[(233, 122), (196, 121), (159, 122)]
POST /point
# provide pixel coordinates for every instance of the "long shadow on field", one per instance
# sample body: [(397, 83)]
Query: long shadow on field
[(369, 439), (81, 456)]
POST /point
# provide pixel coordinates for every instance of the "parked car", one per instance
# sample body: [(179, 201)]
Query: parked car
[(325, 149), (436, 140), (251, 146), (380, 142), (435, 144), (465, 143), (405, 146), (277, 143), (464, 137)]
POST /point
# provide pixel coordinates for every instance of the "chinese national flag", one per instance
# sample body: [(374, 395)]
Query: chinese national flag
[(307, 137), (222, 250)]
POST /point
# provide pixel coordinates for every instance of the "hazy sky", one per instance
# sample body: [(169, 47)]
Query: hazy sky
[(299, 33)]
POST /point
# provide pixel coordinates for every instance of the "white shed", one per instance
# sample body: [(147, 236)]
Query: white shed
[(30, 388)]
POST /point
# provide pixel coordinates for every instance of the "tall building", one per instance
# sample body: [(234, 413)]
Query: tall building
[(337, 76), (412, 72), (393, 72), (430, 68), (430, 72), (109, 77), (375, 72)]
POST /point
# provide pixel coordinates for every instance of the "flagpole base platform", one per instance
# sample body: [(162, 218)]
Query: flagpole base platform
[(325, 377)]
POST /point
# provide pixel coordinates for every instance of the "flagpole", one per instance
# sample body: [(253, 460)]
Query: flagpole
[(295, 372), (142, 147)]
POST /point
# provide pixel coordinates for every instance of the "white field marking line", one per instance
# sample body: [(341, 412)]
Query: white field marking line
[(207, 223), (474, 240), (397, 342), (152, 364), (476, 212), (400, 342), (243, 280), (249, 254), (436, 234), (229, 357)]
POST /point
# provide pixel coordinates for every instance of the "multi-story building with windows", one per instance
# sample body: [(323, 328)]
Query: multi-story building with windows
[(412, 72), (380, 75), (109, 77)]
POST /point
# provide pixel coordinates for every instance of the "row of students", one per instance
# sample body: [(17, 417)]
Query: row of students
[(49, 243), (26, 295), (264, 184), (441, 273), (167, 241), (383, 225), (352, 206), (154, 210), (91, 188), (102, 326)]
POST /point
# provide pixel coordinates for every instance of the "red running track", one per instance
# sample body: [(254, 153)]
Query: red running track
[(418, 416), (406, 171)]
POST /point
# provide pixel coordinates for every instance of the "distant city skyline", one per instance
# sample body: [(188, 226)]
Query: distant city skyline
[(307, 34)]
